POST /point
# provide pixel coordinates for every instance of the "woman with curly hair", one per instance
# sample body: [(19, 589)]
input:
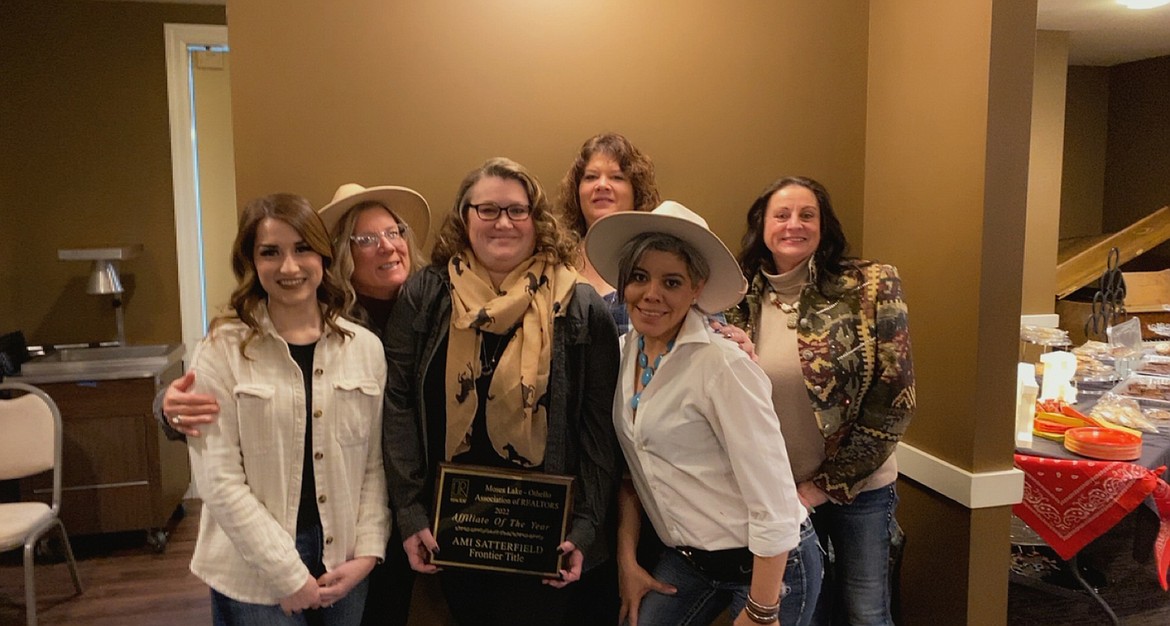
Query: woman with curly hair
[(499, 356), (609, 175), (294, 495)]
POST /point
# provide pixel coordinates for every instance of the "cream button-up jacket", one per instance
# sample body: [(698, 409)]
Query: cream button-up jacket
[(248, 464)]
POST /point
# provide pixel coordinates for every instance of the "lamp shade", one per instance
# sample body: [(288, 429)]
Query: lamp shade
[(103, 278)]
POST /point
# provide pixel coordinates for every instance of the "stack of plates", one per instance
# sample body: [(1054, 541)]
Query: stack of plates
[(1106, 444), (1159, 328)]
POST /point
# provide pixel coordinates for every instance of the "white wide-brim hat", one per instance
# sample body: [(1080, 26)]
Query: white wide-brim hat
[(407, 204), (604, 241)]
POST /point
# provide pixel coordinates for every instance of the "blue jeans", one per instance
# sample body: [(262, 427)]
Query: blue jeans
[(858, 588), (345, 612), (700, 599)]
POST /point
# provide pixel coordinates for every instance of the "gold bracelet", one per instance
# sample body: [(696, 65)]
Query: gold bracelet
[(761, 614), (761, 618), (762, 608)]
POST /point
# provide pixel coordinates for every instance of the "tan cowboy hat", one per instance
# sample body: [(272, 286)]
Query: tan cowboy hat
[(407, 204), (603, 244)]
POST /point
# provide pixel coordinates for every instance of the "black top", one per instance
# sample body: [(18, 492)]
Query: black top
[(377, 312), (308, 516)]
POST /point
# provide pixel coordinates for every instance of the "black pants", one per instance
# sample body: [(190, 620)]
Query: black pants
[(595, 599), (391, 586), (489, 599)]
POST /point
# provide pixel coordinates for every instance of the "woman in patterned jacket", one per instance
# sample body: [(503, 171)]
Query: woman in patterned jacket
[(831, 332)]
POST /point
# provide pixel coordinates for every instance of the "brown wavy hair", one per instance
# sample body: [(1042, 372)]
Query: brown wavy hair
[(295, 211), (634, 163), (551, 235)]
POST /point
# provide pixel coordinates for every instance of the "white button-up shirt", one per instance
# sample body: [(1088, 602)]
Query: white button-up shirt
[(248, 464), (705, 451)]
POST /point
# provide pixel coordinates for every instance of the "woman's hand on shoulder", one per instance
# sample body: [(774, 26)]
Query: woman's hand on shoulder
[(187, 411), (736, 334), (419, 548), (574, 560), (634, 582), (337, 584)]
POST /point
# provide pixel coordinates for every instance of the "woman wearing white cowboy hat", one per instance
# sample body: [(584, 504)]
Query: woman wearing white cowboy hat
[(375, 233), (695, 420)]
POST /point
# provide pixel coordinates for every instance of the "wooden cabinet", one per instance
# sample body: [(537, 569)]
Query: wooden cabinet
[(119, 471)]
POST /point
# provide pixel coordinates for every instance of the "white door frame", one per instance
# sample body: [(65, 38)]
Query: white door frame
[(188, 231)]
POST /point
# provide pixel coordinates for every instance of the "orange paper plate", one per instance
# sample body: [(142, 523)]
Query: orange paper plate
[(1102, 436), (1103, 443)]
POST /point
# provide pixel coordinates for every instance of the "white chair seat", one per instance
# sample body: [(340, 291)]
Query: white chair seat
[(18, 518), (31, 444)]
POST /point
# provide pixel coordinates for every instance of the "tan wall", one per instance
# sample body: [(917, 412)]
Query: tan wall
[(1044, 172), (1082, 195), (85, 161), (1137, 159), (724, 100), (949, 113)]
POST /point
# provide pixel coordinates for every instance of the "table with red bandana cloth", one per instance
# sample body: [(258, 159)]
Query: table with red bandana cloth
[(1071, 500)]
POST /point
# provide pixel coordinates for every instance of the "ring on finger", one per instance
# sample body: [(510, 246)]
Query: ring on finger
[(177, 420)]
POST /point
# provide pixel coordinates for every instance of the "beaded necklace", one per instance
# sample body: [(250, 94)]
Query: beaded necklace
[(787, 309), (648, 370)]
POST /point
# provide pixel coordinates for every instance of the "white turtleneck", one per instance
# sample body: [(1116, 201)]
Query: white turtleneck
[(776, 347)]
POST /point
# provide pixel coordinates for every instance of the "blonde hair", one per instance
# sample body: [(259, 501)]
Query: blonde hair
[(343, 251)]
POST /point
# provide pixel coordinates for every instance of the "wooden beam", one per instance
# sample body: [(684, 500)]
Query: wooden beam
[(1087, 265)]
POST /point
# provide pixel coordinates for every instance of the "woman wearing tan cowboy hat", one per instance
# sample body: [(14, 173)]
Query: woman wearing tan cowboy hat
[(499, 355), (376, 232), (695, 419)]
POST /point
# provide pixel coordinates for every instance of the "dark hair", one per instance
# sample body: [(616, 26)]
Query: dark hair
[(551, 236), (295, 211), (698, 270), (830, 255), (634, 163)]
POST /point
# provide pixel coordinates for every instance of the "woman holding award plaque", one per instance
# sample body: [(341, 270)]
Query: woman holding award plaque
[(499, 356), (695, 419)]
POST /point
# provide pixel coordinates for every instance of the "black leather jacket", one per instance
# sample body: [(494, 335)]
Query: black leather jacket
[(581, 439)]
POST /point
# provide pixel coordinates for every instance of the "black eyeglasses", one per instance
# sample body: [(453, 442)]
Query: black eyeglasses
[(369, 240), (490, 212)]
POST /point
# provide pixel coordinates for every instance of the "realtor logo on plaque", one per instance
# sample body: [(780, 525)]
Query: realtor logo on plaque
[(501, 520)]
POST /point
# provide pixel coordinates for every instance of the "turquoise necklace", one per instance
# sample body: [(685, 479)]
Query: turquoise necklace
[(648, 370)]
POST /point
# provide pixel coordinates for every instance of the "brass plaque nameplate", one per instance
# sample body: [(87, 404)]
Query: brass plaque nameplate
[(501, 520)]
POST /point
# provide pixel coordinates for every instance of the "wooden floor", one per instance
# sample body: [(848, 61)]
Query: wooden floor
[(127, 583)]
